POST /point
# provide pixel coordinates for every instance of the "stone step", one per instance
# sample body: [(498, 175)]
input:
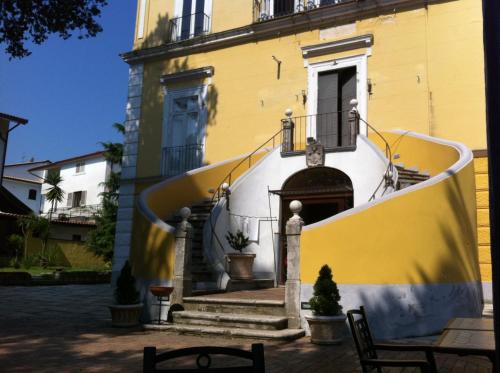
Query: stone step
[(237, 285), (235, 306), (229, 320), (201, 288), (201, 276), (283, 335)]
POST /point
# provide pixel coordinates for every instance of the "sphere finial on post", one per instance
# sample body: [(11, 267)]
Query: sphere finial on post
[(295, 207), (185, 213), (288, 112)]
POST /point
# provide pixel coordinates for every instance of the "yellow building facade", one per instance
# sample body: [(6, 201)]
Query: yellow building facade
[(210, 82)]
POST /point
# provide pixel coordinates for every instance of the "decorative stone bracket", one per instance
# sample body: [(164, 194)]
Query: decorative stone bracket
[(292, 286), (183, 258)]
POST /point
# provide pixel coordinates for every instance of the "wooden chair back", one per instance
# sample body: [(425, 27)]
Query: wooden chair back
[(204, 359), (361, 334)]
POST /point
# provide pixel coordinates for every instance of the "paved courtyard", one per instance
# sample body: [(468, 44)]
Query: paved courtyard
[(67, 329)]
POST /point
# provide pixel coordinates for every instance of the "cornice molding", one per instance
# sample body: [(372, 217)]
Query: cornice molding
[(325, 16), (200, 73), (337, 46)]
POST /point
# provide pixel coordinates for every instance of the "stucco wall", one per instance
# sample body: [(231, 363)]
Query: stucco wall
[(89, 180), (21, 190), (411, 258), (250, 198), (425, 68)]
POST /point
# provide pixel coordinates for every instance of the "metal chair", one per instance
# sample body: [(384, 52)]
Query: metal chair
[(203, 359), (367, 350)]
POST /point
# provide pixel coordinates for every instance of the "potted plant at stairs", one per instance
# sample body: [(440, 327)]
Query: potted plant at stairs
[(327, 322), (240, 264), (127, 310)]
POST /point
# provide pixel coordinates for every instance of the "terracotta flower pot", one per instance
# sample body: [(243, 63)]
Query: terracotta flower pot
[(124, 316), (326, 329), (240, 266)]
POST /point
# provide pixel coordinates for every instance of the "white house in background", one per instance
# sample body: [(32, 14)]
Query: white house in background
[(82, 183), (25, 185)]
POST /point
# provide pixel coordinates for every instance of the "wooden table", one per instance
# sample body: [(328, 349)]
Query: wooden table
[(468, 342), (468, 323)]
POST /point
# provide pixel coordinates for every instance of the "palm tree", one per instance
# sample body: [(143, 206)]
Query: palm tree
[(54, 193), (113, 151)]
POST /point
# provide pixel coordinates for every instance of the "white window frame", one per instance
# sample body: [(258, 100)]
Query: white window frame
[(178, 13), (170, 95), (141, 19), (80, 167), (313, 69)]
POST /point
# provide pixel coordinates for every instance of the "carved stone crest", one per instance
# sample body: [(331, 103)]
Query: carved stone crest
[(315, 153)]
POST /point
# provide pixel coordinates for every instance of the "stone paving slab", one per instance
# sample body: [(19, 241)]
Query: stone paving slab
[(67, 329)]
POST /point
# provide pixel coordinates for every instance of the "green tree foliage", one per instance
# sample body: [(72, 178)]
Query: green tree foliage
[(102, 239), (42, 230), (325, 301), (54, 193), (33, 21), (15, 243), (27, 224), (126, 292)]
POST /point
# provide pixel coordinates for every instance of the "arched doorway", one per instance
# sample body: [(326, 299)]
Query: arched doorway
[(323, 191)]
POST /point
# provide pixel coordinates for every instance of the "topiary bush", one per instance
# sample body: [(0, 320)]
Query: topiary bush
[(126, 292), (325, 301)]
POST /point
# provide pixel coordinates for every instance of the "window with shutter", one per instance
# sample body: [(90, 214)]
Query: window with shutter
[(69, 203), (83, 199), (80, 167)]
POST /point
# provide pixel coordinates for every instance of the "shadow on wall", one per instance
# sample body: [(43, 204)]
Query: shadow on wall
[(424, 309), (153, 117)]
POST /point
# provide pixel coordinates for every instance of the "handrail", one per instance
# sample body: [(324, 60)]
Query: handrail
[(388, 154), (228, 179)]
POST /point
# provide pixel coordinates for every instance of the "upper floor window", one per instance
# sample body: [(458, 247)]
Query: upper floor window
[(268, 9), (32, 194), (192, 19), (77, 199), (80, 167)]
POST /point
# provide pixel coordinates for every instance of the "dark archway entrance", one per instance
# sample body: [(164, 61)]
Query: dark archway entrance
[(323, 191)]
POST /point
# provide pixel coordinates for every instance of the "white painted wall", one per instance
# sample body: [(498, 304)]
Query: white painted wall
[(20, 189), (249, 197), (95, 172)]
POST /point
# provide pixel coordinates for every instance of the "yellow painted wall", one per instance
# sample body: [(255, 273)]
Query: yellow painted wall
[(69, 253), (425, 236), (226, 14), (152, 254), (483, 218), (156, 23), (426, 70)]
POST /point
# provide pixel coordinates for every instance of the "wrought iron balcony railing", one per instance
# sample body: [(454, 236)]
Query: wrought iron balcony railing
[(179, 159), (264, 10), (187, 27), (336, 131), (75, 214)]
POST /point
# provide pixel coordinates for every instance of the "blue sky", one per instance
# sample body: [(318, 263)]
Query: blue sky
[(71, 91)]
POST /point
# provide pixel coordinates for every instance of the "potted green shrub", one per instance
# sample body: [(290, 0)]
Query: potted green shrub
[(240, 264), (127, 310), (327, 321)]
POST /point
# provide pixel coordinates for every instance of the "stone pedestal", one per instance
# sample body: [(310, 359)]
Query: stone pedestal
[(183, 257), (292, 285)]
